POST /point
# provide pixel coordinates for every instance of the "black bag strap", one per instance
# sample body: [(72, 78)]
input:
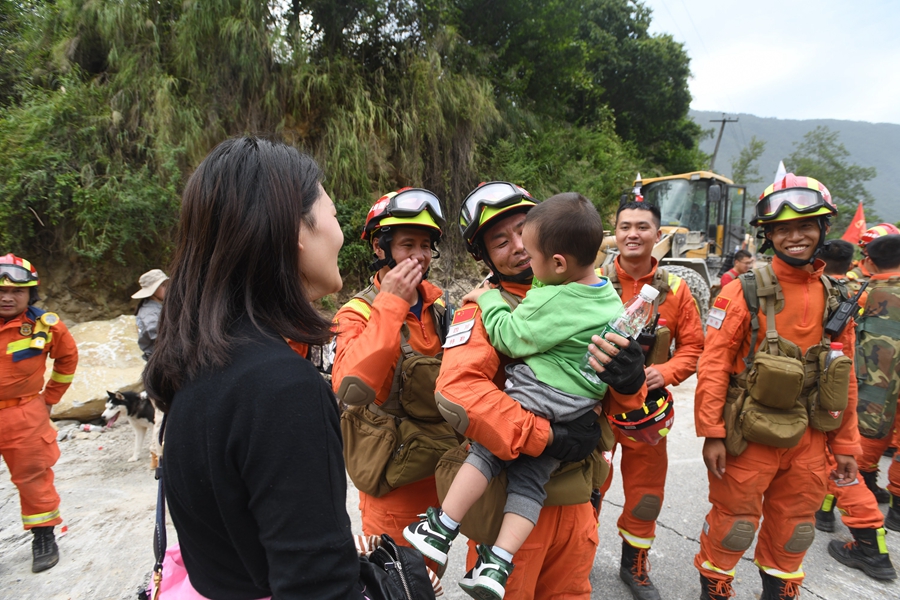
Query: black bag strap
[(159, 531)]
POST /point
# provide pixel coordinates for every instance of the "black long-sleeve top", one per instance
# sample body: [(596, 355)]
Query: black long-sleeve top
[(255, 479)]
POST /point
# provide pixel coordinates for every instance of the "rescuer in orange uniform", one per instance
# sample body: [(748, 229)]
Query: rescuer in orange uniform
[(27, 441), (556, 559), (400, 307), (644, 465), (778, 453)]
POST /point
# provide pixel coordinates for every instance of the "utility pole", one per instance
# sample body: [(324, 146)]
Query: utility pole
[(723, 120)]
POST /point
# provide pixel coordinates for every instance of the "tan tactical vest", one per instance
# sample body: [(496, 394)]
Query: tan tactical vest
[(781, 390)]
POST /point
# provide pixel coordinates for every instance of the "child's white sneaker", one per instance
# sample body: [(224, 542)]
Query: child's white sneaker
[(431, 537), (487, 580)]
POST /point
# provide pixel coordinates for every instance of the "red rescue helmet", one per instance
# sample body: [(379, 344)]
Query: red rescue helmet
[(407, 207), (793, 198), (650, 423), (876, 232), (17, 272)]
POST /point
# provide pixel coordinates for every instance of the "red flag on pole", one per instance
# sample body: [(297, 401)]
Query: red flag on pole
[(857, 226)]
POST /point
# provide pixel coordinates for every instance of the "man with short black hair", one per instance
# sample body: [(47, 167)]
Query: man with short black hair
[(743, 262), (644, 465)]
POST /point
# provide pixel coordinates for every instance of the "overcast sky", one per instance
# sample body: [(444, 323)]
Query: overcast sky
[(791, 59)]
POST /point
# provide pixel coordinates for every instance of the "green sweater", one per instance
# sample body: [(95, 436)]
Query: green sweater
[(551, 330)]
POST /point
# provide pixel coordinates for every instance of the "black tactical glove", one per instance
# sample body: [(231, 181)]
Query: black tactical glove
[(575, 440), (625, 373)]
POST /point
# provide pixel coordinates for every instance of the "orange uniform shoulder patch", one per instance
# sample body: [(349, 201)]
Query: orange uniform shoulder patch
[(721, 303)]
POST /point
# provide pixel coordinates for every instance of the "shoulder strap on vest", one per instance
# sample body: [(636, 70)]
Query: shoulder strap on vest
[(662, 281), (368, 294), (609, 271), (762, 290), (511, 299)]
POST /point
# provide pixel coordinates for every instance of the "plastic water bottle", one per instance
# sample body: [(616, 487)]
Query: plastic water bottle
[(628, 322), (837, 349)]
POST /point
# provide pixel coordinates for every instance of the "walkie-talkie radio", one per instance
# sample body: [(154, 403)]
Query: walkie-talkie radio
[(845, 310)]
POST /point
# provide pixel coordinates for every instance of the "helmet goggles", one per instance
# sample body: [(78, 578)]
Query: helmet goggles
[(496, 195), (802, 201), (412, 202), (410, 206), (17, 275)]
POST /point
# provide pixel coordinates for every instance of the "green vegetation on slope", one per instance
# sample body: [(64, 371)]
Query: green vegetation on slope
[(106, 107)]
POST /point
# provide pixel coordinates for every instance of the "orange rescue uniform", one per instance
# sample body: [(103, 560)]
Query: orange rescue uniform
[(27, 440), (556, 559), (644, 466), (368, 346), (792, 480)]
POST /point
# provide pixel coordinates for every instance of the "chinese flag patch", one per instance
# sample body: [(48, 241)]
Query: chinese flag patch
[(721, 303), (465, 314)]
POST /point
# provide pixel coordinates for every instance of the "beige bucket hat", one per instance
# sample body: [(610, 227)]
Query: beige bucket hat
[(149, 282)]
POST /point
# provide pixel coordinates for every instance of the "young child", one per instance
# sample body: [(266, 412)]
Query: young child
[(551, 329)]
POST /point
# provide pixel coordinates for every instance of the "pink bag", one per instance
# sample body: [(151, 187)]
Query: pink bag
[(176, 585)]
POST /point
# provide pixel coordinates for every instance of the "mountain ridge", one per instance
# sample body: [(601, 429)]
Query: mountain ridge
[(869, 145)]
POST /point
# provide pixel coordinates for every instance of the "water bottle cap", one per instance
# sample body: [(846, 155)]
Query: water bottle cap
[(662, 322), (837, 346), (649, 293)]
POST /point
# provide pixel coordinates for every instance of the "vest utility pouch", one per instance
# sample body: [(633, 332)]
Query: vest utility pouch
[(773, 427), (659, 351), (369, 443), (775, 381), (834, 383), (417, 376), (734, 404), (421, 447)]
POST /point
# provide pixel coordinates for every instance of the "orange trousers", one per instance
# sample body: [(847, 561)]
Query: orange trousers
[(894, 470), (785, 486), (395, 510), (873, 449), (28, 445), (555, 561), (856, 503), (644, 468)]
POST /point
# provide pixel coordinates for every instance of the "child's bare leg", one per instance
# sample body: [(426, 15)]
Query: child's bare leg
[(513, 532), (467, 487)]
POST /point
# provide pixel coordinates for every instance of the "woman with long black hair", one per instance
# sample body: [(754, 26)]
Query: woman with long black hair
[(254, 474)]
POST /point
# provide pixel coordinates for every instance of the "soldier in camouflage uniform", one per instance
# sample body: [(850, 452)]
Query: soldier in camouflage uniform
[(878, 369), (857, 505)]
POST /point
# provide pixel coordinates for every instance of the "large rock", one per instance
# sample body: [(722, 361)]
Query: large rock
[(108, 359)]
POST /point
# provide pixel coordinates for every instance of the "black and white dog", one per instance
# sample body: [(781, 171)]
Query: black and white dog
[(135, 407)]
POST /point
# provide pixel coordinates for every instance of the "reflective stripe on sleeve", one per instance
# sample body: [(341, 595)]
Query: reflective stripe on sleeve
[(61, 377)]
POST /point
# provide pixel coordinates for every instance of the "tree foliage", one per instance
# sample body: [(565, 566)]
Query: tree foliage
[(821, 155), (106, 107), (744, 168)]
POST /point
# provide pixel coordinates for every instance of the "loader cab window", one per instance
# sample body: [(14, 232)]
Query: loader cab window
[(682, 203)]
